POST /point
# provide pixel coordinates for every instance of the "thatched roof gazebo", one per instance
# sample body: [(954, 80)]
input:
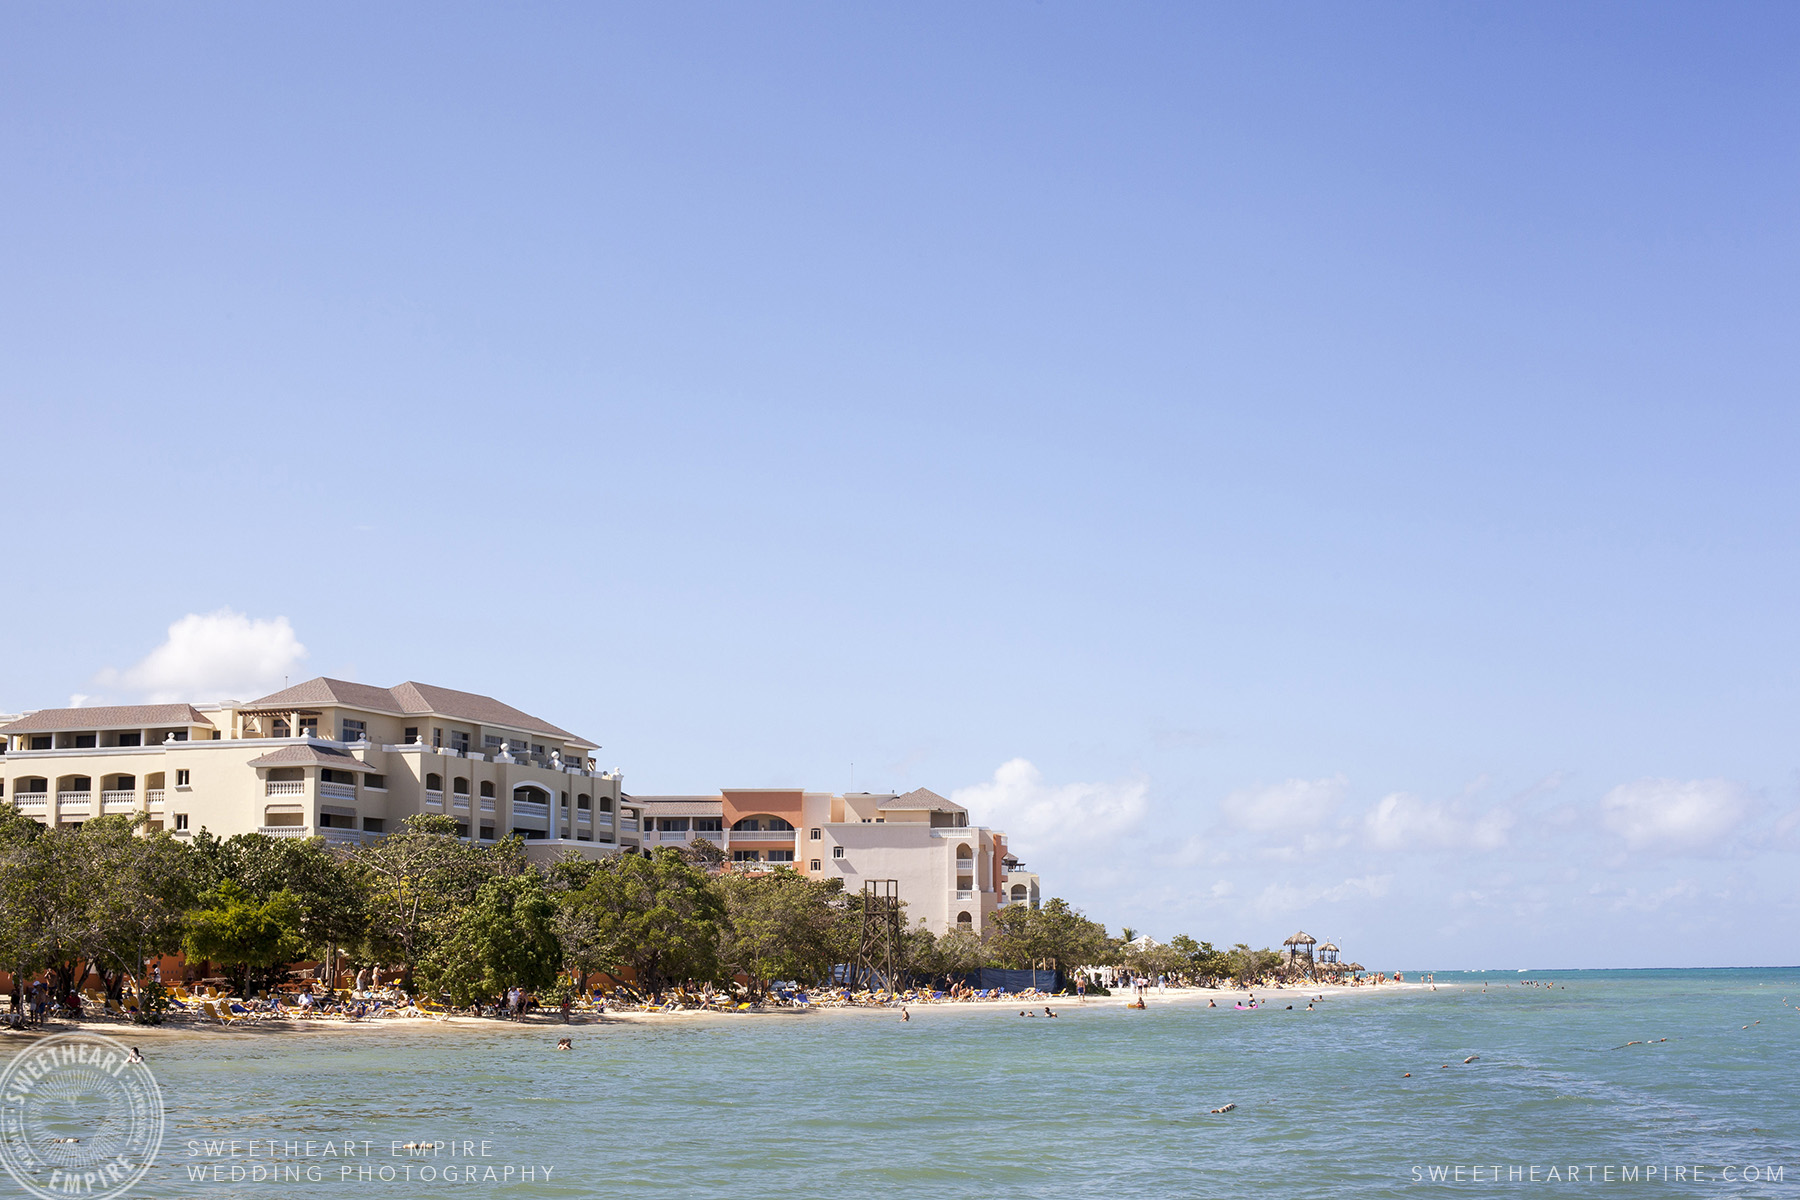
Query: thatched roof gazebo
[(1328, 954)]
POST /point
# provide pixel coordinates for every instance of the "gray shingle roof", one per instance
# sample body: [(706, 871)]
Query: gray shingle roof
[(311, 756), (416, 699), (128, 716), (921, 798)]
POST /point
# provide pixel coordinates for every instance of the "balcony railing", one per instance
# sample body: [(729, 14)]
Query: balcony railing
[(286, 831), (154, 797), (332, 833), (961, 894), (338, 791), (764, 835), (31, 799), (628, 825), (434, 795), (284, 787), (530, 808), (487, 804), (74, 799), (118, 800)]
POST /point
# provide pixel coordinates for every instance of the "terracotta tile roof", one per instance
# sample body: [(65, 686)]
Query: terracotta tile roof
[(129, 716), (310, 756), (415, 699)]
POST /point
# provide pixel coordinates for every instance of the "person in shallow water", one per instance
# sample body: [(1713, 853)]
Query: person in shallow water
[(565, 1044)]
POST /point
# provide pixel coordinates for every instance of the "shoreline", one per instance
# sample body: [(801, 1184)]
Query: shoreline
[(548, 1020)]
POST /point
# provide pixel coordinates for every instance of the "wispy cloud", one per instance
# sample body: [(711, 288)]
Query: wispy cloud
[(1401, 821), (1674, 815), (1055, 826)]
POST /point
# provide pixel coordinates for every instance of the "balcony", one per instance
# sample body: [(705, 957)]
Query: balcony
[(434, 799), (31, 799), (528, 808), (74, 799), (962, 894), (628, 825), (350, 837), (154, 797), (285, 787), (778, 836), (286, 831), (118, 801), (337, 791), (675, 835)]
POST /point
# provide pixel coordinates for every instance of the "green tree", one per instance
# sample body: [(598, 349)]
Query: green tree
[(24, 889), (242, 932), (659, 917), (781, 925), (1056, 936), (506, 938), (419, 877)]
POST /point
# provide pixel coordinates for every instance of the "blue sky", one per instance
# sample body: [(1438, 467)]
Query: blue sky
[(1347, 450)]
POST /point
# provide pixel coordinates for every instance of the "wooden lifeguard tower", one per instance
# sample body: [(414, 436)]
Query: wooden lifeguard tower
[(1300, 951)]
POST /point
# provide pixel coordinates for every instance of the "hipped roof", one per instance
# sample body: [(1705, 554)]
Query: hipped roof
[(414, 699)]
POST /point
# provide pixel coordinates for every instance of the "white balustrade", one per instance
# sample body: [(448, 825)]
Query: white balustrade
[(74, 799), (154, 797), (338, 791), (285, 831), (284, 787)]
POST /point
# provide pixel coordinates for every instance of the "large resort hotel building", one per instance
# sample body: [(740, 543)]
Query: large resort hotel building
[(343, 761), (348, 763), (951, 874)]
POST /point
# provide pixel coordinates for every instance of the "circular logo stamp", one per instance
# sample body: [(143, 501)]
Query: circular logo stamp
[(78, 1117)]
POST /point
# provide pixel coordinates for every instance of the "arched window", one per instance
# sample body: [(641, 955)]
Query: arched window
[(487, 789), (964, 920), (584, 802), (762, 824), (965, 853), (434, 783), (460, 786), (1018, 891)]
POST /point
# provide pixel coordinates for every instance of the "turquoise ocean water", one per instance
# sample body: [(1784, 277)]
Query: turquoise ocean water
[(1102, 1101)]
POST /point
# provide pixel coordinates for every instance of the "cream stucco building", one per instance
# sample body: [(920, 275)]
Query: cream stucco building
[(952, 874), (343, 761)]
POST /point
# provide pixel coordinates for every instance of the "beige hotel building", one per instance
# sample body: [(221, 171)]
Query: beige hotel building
[(346, 762)]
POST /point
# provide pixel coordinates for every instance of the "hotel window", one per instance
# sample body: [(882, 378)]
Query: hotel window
[(837, 852), (40, 741), (462, 829), (815, 864), (279, 727), (181, 779), (584, 802), (487, 789), (181, 820), (352, 731), (412, 734), (86, 741), (493, 744), (746, 856), (131, 739), (708, 824), (781, 856), (815, 835), (309, 727), (372, 824), (565, 801), (459, 741), (437, 739), (375, 783)]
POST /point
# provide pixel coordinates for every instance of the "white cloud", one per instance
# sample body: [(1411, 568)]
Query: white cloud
[(213, 656), (1296, 806), (1673, 814), (1401, 821), (1042, 818), (1282, 898)]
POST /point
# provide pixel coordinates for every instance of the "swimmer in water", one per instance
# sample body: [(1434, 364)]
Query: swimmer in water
[(904, 1015), (135, 1056), (565, 1044)]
